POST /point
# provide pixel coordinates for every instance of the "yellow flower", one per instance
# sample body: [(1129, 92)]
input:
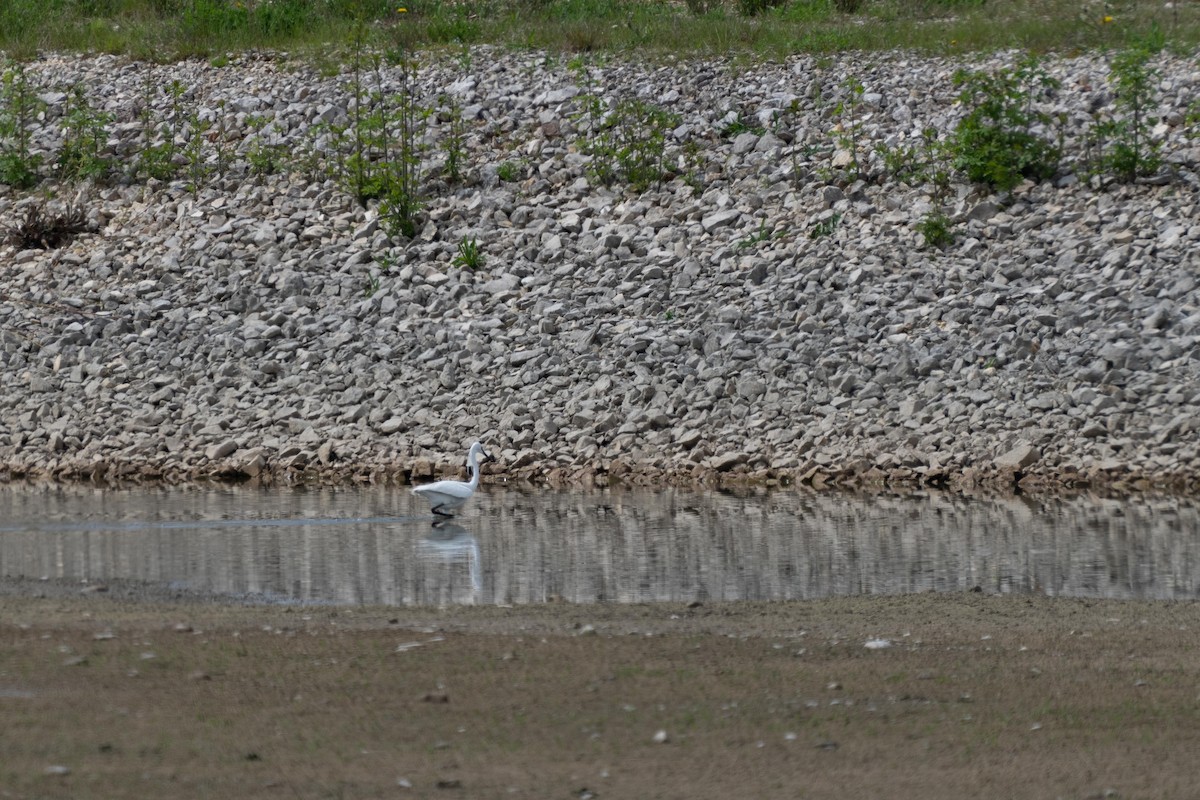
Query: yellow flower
[(401, 10), (1105, 19)]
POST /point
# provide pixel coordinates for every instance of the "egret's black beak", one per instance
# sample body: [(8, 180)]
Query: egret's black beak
[(487, 456)]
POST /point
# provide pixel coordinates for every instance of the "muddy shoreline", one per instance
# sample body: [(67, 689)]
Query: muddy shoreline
[(120, 693)]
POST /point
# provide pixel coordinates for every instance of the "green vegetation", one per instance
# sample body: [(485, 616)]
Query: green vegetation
[(1122, 144), (170, 29), (469, 254), (824, 226), (929, 161), (848, 131), (627, 139), (454, 143), (508, 171), (375, 154), (937, 229), (84, 134), (160, 137), (19, 106), (763, 234), (996, 143), (267, 152)]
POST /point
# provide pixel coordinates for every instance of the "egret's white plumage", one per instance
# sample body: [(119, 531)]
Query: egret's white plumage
[(446, 495)]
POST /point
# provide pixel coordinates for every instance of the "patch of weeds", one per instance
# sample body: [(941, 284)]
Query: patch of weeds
[(584, 36), (160, 137), (85, 132), (455, 142), (224, 146), (698, 8), (693, 164), (454, 25), (19, 107), (469, 254), (1191, 121), (937, 229), (206, 20), (373, 281), (825, 227), (997, 143), (376, 155), (929, 161), (1123, 145), (508, 171), (402, 198), (848, 132), (763, 234), (628, 141), (386, 262), (196, 132), (785, 124), (362, 144), (267, 152), (739, 126), (41, 228)]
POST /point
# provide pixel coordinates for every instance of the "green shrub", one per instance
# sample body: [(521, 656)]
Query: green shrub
[(454, 144), (848, 132), (1123, 144), (937, 230), (995, 144), (508, 171), (627, 141), (160, 137), (85, 131), (267, 153), (19, 107), (375, 154)]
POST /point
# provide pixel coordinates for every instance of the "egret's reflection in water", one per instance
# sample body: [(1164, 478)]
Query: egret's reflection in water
[(376, 545), (448, 553)]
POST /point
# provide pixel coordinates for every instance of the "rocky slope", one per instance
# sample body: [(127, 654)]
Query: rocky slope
[(764, 321)]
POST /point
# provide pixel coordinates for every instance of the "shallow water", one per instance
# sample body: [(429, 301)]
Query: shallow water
[(377, 545)]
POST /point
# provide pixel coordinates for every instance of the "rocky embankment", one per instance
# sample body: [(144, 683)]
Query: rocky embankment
[(765, 321)]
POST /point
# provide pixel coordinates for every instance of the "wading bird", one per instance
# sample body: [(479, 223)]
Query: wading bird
[(446, 495)]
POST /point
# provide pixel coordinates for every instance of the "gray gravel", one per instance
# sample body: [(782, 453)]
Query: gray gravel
[(269, 328)]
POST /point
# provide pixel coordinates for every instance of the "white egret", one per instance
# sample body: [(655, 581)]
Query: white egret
[(446, 495)]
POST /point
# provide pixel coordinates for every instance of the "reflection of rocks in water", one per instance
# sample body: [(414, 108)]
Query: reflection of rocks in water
[(609, 546), (445, 554)]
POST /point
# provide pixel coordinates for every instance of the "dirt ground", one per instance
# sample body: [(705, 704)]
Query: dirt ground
[(118, 692)]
